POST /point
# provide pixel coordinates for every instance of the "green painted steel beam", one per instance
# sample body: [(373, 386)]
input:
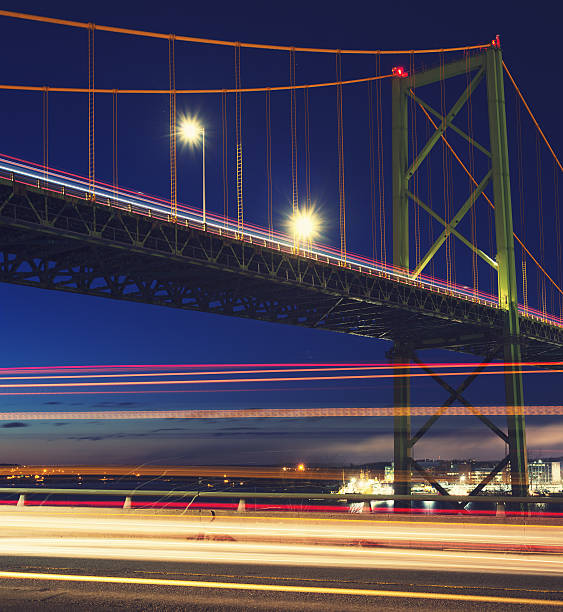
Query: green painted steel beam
[(402, 450), (449, 227), (400, 145), (507, 281), (444, 72), (445, 123), (452, 126), (401, 383), (486, 258)]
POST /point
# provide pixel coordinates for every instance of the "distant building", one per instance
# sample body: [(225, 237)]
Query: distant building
[(544, 472)]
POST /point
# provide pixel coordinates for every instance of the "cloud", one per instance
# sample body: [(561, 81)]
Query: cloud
[(545, 436), (14, 424), (113, 404), (117, 436)]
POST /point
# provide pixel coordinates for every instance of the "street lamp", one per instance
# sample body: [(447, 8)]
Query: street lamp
[(190, 131), (304, 225)]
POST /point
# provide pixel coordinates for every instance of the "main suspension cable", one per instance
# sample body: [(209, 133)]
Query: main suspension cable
[(227, 43), (8, 87), (533, 117)]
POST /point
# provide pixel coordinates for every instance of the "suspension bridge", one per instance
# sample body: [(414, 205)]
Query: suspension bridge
[(59, 230)]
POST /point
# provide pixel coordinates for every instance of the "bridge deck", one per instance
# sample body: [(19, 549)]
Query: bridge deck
[(60, 241)]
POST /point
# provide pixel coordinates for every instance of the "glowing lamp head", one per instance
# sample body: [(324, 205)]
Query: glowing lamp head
[(304, 225), (301, 467), (399, 71), (190, 130)]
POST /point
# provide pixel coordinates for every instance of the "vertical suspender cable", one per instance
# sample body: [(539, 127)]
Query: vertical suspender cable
[(238, 130), (224, 155), (450, 198), (172, 107), (541, 288), (471, 154), (114, 140), (445, 184), (429, 199), (341, 193), (381, 169), (521, 201), (371, 130), (558, 234), (91, 100), (307, 149), (414, 148), (293, 124), (45, 101), (269, 163)]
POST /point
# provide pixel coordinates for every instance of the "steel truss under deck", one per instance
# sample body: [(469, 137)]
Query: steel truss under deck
[(55, 241)]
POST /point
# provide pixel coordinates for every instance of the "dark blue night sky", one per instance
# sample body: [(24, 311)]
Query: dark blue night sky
[(43, 328)]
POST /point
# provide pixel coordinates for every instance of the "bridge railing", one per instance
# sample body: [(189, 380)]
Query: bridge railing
[(501, 501)]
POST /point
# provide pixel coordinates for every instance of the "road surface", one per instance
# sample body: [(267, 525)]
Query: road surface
[(66, 560)]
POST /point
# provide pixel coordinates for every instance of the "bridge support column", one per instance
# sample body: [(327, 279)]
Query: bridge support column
[(401, 353), (401, 424), (507, 283), (515, 421)]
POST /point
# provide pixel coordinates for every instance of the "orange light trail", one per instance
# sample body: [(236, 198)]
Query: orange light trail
[(206, 381), (288, 369), (215, 471), (267, 413), (282, 588)]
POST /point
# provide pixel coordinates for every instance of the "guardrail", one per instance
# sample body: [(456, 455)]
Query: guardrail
[(500, 500)]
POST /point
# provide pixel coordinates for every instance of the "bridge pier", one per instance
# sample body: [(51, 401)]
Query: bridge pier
[(402, 452), (515, 420)]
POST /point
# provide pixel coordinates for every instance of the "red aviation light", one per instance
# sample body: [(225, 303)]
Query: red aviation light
[(496, 41), (399, 71)]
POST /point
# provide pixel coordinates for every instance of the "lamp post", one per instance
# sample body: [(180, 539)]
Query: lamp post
[(304, 225), (190, 131)]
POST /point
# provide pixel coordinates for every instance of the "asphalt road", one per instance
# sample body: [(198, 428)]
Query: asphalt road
[(82, 560), (396, 589)]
